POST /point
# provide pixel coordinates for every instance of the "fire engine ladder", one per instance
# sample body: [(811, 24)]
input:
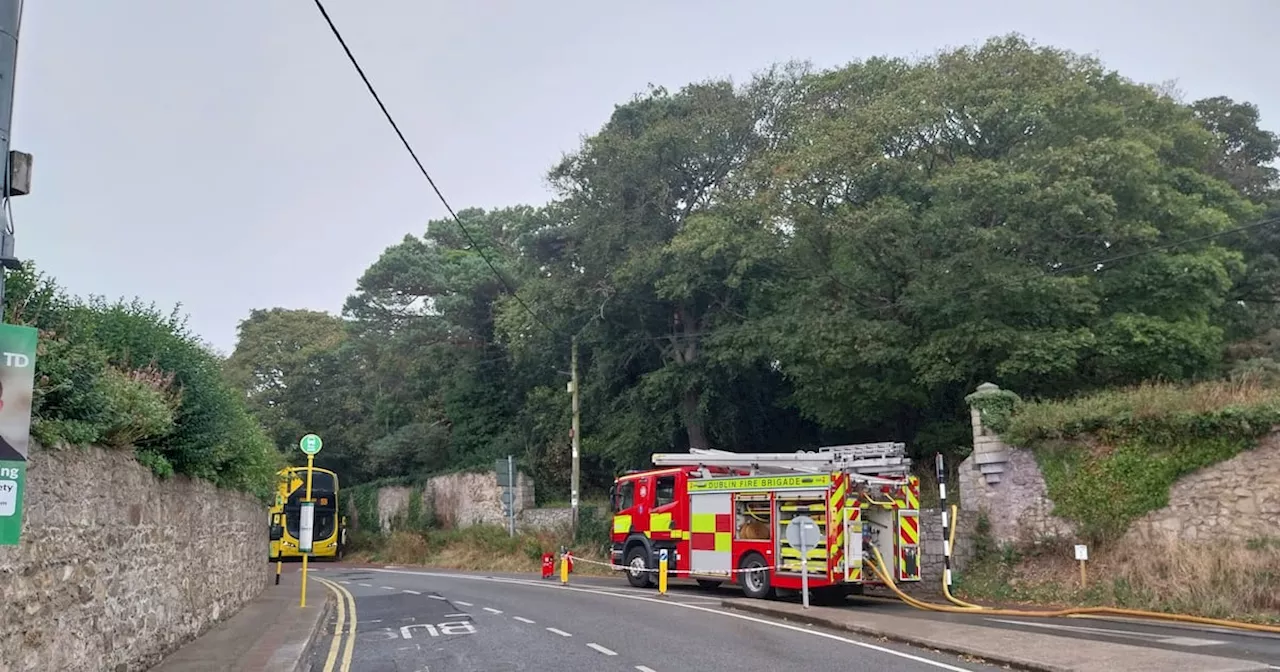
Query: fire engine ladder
[(868, 460)]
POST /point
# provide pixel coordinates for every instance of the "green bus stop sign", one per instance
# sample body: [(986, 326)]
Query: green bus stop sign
[(310, 444)]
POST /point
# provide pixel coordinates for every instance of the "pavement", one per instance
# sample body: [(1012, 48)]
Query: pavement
[(269, 634)]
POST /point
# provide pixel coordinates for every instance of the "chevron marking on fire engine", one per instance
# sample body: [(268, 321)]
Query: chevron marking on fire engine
[(854, 512), (835, 542), (913, 493), (910, 530)]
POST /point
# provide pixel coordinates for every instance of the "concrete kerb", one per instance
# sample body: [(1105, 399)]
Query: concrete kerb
[(1010, 660), (293, 657), (330, 603)]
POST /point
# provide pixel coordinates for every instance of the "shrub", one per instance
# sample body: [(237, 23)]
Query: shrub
[(124, 375)]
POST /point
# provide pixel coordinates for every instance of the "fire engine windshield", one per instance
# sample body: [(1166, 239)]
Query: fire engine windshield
[(624, 496)]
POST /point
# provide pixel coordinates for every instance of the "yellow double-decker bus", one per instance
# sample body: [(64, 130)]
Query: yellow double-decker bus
[(328, 528)]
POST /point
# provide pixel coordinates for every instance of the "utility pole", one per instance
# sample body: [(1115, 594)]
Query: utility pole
[(574, 435), (17, 166)]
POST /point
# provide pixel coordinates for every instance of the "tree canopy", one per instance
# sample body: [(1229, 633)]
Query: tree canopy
[(806, 258)]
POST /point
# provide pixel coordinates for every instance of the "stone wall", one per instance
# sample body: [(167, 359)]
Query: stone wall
[(117, 568), (545, 519), (1237, 500), (932, 560), (456, 500)]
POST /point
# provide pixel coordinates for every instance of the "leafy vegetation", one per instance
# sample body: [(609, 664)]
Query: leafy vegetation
[(1111, 457), (807, 258), (126, 376)]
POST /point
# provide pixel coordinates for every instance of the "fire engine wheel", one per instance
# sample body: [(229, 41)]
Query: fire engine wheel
[(638, 568), (756, 584)]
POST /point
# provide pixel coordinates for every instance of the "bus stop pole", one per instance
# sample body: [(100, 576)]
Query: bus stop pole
[(310, 462)]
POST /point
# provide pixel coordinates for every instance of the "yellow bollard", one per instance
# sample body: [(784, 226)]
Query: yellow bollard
[(662, 572), (277, 570), (564, 568)]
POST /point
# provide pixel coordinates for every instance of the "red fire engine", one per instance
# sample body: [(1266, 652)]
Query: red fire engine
[(722, 516)]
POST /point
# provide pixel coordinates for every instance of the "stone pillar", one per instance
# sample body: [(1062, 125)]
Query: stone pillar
[(1006, 483), (990, 454)]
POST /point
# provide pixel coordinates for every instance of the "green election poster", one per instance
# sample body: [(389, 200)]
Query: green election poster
[(17, 378)]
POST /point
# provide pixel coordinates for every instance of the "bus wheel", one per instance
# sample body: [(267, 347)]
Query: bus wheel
[(756, 584), (637, 569)]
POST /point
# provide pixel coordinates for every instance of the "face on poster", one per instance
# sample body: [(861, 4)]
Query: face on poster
[(17, 378)]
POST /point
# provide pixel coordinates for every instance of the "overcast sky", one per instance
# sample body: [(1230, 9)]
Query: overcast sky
[(223, 155)]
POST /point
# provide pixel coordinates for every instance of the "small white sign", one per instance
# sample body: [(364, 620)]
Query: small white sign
[(305, 524), (8, 498), (1082, 552)]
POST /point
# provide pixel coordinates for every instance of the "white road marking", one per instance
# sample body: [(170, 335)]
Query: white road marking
[(642, 668), (465, 604), (366, 585), (436, 597), (1127, 634), (601, 649), (491, 610), (411, 592), (457, 615), (557, 631), (682, 605), (344, 582), (522, 619), (388, 588)]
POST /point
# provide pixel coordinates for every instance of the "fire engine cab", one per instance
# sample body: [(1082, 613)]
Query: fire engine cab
[(722, 516)]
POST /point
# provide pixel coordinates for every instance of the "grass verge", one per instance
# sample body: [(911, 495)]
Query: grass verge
[(1222, 580)]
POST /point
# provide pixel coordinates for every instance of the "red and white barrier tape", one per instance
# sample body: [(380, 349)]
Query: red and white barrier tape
[(670, 570)]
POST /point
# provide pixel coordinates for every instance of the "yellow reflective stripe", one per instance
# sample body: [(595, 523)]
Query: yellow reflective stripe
[(703, 522), (724, 542), (621, 524), (660, 522), (814, 553), (760, 483)]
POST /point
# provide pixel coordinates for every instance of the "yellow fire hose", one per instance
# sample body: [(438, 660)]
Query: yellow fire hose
[(878, 566)]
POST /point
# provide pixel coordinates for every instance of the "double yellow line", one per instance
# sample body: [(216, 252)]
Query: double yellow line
[(347, 617)]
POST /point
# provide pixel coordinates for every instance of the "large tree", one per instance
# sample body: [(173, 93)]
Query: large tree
[(963, 204), (274, 355), (810, 258)]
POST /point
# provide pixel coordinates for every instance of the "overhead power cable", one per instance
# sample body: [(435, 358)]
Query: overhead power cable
[(423, 169)]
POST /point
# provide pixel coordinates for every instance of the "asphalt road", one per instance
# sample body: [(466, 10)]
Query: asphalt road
[(437, 621)]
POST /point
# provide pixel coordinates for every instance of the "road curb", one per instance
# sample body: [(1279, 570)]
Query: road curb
[(300, 665), (1010, 660)]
